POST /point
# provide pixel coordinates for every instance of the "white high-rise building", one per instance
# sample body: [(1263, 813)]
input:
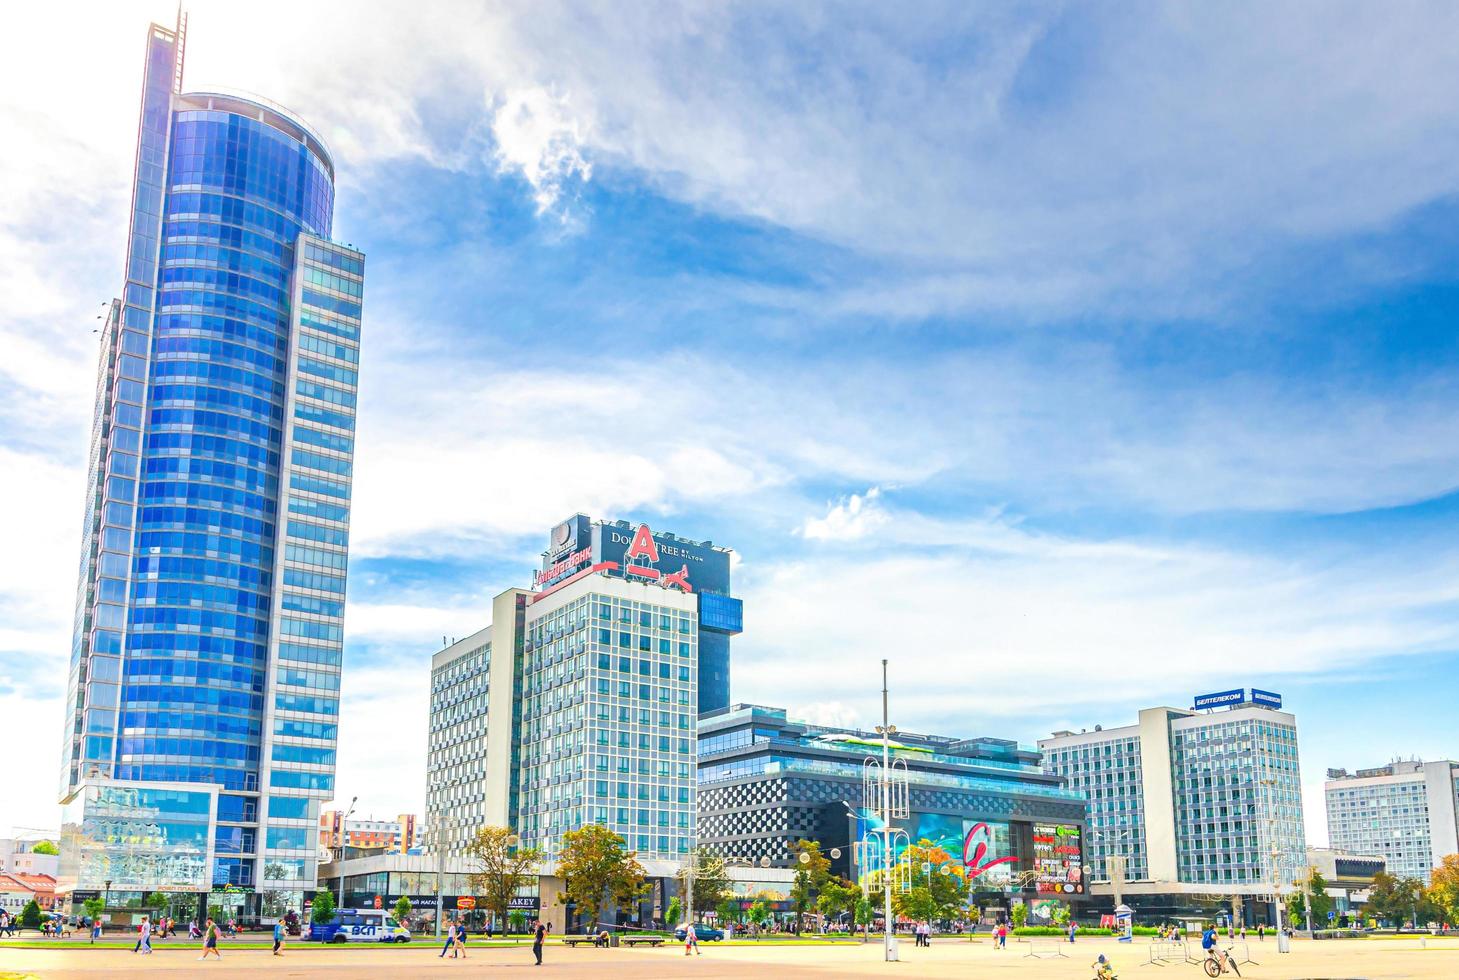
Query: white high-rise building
[(577, 705), (1194, 801), (1404, 812)]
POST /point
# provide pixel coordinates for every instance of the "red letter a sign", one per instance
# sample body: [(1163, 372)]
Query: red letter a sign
[(643, 546)]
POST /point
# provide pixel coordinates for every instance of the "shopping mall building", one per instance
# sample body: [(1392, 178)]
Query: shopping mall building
[(767, 781)]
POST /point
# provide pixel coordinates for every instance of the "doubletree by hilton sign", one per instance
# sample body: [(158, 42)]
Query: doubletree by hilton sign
[(640, 560)]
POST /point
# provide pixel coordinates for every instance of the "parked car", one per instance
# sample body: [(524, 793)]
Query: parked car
[(705, 934)]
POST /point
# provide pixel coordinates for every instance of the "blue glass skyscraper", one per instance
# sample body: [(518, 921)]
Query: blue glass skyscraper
[(203, 701)]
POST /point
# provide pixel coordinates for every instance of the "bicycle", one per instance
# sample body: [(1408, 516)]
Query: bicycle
[(1219, 961)]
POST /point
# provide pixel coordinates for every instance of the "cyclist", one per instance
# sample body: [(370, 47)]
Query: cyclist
[(1103, 969), (1215, 956)]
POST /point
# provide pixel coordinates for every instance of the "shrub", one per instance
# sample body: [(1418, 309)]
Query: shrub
[(30, 916), (323, 908)]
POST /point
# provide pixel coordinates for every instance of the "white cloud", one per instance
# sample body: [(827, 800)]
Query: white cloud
[(969, 611), (378, 623), (384, 715), (852, 517), (832, 714), (538, 134)]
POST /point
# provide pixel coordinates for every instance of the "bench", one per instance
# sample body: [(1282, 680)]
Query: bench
[(642, 940), (575, 941)]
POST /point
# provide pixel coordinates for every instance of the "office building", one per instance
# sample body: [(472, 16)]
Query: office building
[(1404, 812), (203, 699), (1191, 802), (767, 781), (578, 703)]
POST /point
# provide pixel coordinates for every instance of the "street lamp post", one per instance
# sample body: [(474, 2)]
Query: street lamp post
[(1283, 946), (1114, 864), (344, 838), (440, 828), (886, 730)]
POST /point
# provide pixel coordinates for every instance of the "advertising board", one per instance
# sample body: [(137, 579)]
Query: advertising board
[(1058, 858), (1266, 699), (1220, 698)]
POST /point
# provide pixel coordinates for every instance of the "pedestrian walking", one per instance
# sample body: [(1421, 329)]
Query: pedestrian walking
[(691, 940), (1261, 932), (144, 936), (96, 929), (279, 937), (450, 942), (210, 940), (539, 936), (1073, 928), (460, 940)]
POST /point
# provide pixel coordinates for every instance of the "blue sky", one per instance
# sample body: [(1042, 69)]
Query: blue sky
[(1076, 359)]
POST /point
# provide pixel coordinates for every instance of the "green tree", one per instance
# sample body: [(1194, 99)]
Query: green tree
[(94, 907), (838, 897), (865, 916), (323, 908), (30, 916), (1443, 891), (402, 909), (674, 911), (1383, 898), (711, 881), (727, 911), (44, 847), (517, 920), (812, 871), (1396, 900), (1321, 901), (759, 914), (1020, 915), (596, 867), (502, 867)]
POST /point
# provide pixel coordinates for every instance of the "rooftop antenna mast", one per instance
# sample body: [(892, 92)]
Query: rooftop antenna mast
[(180, 47)]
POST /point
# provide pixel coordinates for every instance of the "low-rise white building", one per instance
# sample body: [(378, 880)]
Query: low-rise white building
[(18, 855)]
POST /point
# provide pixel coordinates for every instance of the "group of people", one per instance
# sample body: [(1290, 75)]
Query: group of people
[(455, 943), (165, 926), (923, 932)]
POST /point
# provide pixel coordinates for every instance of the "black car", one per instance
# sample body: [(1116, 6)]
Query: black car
[(707, 934)]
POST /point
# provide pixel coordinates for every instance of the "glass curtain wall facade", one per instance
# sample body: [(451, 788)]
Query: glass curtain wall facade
[(1238, 793), (608, 724), (211, 598), (1108, 772)]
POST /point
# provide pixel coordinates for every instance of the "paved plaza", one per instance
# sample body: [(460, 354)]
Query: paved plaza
[(946, 958)]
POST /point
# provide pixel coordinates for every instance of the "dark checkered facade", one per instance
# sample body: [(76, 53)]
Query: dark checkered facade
[(757, 817)]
